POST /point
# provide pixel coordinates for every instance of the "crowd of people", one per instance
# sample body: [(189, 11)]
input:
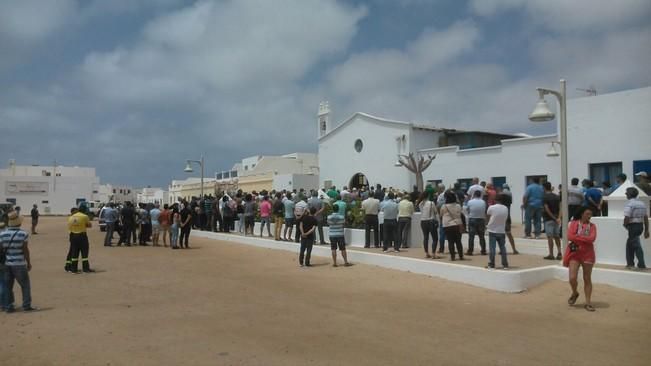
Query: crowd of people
[(482, 211), (300, 215)]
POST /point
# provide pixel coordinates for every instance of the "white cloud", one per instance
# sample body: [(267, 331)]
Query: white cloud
[(571, 15), (442, 78), (382, 69), (224, 47), (617, 60), (232, 78), (34, 20)]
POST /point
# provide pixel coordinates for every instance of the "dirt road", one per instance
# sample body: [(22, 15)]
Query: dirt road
[(229, 304)]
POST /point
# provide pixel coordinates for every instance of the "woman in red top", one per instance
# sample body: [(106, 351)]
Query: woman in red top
[(164, 220), (580, 252)]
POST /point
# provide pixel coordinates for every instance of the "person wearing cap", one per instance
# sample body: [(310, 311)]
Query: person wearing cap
[(17, 264), (643, 183), (635, 220), (78, 223)]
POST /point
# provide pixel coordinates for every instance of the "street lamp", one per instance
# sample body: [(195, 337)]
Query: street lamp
[(542, 113), (552, 153), (188, 169)]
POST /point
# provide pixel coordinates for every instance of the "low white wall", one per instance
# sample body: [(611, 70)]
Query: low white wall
[(610, 246)]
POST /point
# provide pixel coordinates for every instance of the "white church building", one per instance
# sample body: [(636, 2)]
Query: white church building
[(607, 135)]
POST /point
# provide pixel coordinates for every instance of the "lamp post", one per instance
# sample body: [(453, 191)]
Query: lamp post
[(188, 169), (542, 113)]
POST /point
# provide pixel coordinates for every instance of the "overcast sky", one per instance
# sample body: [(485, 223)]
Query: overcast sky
[(135, 87)]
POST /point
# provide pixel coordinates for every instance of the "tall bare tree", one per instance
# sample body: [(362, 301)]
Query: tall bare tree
[(416, 166)]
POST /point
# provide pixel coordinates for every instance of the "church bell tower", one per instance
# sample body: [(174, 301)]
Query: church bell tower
[(324, 118)]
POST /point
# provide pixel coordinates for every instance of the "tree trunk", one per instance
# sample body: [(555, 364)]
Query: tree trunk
[(419, 181)]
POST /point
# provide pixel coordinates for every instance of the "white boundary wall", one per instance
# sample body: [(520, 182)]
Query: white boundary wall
[(512, 281)]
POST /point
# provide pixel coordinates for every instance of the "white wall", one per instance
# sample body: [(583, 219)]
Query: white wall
[(295, 181), (609, 128), (339, 162)]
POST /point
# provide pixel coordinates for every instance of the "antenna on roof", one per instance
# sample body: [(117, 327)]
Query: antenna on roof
[(591, 91)]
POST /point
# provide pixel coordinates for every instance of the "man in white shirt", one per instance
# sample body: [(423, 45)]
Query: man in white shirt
[(371, 207), (476, 222), (497, 213), (474, 188), (635, 221), (344, 193)]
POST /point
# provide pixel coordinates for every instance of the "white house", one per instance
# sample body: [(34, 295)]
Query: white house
[(54, 189), (607, 135), (267, 172), (364, 149), (152, 195), (115, 193)]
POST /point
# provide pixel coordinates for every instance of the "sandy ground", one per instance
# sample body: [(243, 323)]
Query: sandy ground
[(229, 304)]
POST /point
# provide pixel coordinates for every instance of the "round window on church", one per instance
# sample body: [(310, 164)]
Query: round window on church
[(359, 145)]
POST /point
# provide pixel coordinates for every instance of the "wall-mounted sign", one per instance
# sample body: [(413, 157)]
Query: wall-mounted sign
[(37, 188)]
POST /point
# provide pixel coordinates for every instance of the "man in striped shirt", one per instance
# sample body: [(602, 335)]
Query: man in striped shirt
[(635, 221), (17, 264), (336, 233)]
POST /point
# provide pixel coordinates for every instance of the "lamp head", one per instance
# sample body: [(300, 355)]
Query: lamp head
[(188, 168), (552, 153), (541, 113), (397, 163)]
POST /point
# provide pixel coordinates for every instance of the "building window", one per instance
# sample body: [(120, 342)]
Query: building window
[(529, 179), (114, 191), (95, 192), (434, 182), (246, 167), (498, 182), (465, 183), (605, 172), (359, 145), (45, 202)]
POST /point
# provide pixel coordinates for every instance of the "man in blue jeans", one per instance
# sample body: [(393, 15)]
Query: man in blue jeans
[(497, 213), (636, 221), (532, 203), (110, 217), (476, 222), (17, 264)]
